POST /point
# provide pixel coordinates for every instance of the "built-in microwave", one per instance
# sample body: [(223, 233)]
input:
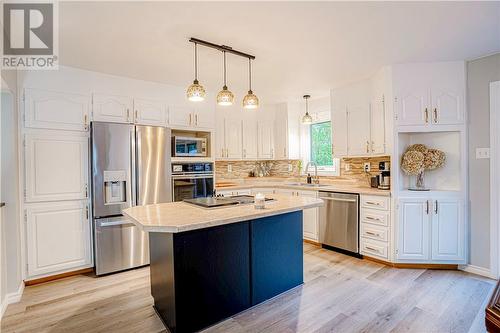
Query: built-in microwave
[(183, 146)]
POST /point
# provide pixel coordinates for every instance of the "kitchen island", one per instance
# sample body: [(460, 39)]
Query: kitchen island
[(210, 264)]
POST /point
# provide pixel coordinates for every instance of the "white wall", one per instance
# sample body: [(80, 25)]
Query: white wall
[(11, 276), (480, 73)]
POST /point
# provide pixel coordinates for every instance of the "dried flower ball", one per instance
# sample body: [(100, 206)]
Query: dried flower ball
[(413, 162), (418, 147), (434, 159)]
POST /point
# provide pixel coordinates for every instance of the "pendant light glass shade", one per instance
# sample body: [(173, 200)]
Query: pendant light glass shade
[(307, 119), (225, 97), (195, 92), (250, 101)]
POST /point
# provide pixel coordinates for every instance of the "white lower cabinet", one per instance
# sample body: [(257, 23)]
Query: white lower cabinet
[(310, 216), (58, 237), (375, 227), (431, 230)]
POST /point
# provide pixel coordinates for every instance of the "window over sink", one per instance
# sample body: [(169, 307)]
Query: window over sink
[(320, 135)]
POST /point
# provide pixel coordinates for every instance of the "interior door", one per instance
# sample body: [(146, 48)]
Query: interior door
[(414, 220)]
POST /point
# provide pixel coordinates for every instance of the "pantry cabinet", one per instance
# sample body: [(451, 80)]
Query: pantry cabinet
[(112, 108), (58, 237), (431, 229), (56, 110), (56, 166), (148, 112)]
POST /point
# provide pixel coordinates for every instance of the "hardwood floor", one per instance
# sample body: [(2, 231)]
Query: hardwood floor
[(340, 294)]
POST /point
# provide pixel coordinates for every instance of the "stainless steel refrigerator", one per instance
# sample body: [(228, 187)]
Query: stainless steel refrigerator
[(130, 166)]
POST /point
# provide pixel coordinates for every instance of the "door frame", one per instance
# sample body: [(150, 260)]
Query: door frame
[(494, 178)]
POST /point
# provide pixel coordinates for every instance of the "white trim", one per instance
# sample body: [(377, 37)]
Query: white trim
[(11, 298), (494, 177), (477, 270)]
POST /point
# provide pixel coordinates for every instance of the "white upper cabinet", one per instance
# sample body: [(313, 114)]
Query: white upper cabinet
[(220, 145), (430, 94), (358, 130), (58, 237), (377, 127), (181, 116), (56, 110), (414, 232), (148, 112), (265, 139), (112, 108), (448, 230), (250, 140), (281, 136), (56, 166), (339, 128), (204, 116), (233, 138)]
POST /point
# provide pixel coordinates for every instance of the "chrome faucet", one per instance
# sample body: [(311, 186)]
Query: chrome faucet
[(316, 179)]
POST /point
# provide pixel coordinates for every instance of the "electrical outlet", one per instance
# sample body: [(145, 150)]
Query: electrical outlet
[(229, 168), (366, 167), (347, 167), (482, 153), (290, 167)]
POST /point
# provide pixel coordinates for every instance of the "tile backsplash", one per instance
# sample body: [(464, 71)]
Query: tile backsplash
[(242, 169)]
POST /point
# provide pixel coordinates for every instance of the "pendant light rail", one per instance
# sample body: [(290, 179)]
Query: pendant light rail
[(223, 48)]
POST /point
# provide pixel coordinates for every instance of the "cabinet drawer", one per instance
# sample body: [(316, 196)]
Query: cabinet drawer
[(374, 217), (374, 232), (375, 202), (373, 248)]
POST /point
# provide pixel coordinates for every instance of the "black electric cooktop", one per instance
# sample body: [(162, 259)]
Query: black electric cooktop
[(212, 202)]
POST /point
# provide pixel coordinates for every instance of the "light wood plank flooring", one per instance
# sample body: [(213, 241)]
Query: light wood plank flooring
[(340, 294)]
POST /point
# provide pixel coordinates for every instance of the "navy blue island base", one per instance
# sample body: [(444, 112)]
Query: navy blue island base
[(201, 277)]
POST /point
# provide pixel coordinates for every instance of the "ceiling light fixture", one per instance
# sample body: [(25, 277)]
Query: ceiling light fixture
[(250, 101), (307, 119), (195, 92), (225, 97)]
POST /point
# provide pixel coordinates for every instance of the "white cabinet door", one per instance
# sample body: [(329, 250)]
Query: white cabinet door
[(358, 132), (310, 218), (250, 141), (339, 135), (56, 167), (265, 139), (148, 112), (414, 219), (58, 237), (377, 127), (448, 230), (413, 107), (110, 108), (233, 138), (56, 110), (204, 116), (181, 116), (220, 148), (281, 135), (447, 107)]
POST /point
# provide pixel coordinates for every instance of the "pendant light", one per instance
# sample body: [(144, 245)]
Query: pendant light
[(250, 101), (225, 97), (195, 92), (307, 119)]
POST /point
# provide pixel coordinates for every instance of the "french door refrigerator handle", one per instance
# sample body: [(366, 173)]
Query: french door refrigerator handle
[(133, 171)]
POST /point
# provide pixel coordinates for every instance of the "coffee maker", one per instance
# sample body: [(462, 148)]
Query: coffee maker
[(384, 182)]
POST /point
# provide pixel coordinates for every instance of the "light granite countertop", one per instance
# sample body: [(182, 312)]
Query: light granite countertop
[(180, 216), (288, 184)]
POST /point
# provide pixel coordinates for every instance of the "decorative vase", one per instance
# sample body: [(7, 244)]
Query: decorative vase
[(419, 182)]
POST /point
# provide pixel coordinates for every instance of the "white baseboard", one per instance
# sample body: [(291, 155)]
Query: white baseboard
[(11, 298), (477, 270)]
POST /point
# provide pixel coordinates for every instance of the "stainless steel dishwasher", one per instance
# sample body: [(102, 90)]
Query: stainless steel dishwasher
[(339, 221)]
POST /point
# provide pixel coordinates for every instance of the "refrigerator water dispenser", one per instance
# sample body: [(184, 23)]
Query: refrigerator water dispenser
[(115, 187)]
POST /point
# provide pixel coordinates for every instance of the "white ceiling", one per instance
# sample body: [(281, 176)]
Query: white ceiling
[(300, 47)]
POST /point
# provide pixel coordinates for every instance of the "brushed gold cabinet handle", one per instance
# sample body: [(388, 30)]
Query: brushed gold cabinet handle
[(367, 146), (372, 203), (372, 218), (128, 115), (372, 249), (85, 122), (435, 115), (426, 115), (373, 144), (196, 119), (372, 233), (136, 115), (190, 119)]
